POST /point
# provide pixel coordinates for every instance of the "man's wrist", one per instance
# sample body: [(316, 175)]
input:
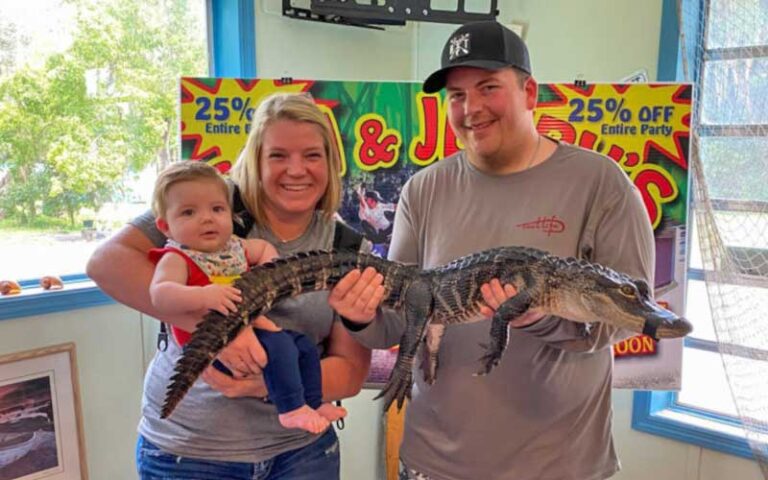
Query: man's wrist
[(352, 325)]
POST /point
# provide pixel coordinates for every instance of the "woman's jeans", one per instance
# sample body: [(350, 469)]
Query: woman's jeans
[(318, 460)]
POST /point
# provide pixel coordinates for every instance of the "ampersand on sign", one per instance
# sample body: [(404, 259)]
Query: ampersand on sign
[(376, 146)]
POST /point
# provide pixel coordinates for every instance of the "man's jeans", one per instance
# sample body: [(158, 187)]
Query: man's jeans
[(318, 460)]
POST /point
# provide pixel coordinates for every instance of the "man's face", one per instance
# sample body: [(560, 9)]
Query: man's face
[(489, 110)]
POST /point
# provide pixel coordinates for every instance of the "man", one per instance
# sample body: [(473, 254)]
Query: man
[(545, 412)]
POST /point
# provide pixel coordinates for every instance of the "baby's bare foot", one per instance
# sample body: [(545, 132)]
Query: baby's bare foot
[(304, 418), (331, 412)]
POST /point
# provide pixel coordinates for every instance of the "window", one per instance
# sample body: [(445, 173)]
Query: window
[(732, 83), (88, 114)]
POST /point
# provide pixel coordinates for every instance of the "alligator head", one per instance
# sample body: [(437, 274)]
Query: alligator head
[(587, 291)]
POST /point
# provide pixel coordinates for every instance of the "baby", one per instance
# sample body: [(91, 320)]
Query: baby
[(192, 208)]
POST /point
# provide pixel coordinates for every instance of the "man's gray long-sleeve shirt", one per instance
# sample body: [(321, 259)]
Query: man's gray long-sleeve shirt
[(545, 412)]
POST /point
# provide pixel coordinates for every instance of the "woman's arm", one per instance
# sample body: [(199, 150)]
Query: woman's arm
[(345, 367), (259, 251), (120, 267)]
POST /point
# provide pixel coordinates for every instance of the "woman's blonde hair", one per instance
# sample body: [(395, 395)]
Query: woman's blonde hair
[(185, 171), (247, 171)]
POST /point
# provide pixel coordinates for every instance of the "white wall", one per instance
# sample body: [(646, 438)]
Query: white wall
[(108, 345), (602, 40), (317, 51)]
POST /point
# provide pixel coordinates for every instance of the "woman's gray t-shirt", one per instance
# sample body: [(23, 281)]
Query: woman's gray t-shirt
[(206, 424)]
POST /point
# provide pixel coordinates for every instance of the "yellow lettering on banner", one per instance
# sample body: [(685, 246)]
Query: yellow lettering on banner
[(337, 135)]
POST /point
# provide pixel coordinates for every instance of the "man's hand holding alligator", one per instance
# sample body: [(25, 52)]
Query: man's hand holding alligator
[(494, 295), (357, 296)]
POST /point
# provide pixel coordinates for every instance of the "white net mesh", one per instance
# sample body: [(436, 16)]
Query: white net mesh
[(728, 61)]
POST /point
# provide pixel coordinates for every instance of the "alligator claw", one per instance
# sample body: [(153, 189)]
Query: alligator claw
[(490, 361), (397, 388)]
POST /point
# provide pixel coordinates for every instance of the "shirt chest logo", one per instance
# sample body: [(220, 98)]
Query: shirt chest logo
[(548, 224)]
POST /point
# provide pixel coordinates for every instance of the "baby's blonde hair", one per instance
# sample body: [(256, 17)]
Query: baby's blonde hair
[(185, 171), (247, 171)]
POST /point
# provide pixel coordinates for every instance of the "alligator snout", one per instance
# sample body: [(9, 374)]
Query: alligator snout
[(669, 325)]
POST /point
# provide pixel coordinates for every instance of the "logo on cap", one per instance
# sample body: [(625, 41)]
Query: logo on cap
[(459, 46)]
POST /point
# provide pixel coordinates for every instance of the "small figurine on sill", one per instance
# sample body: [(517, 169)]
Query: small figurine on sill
[(9, 287), (51, 282)]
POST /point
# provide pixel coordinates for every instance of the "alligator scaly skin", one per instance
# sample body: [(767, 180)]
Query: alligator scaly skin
[(430, 300)]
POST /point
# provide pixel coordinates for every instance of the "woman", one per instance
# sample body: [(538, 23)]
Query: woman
[(288, 178)]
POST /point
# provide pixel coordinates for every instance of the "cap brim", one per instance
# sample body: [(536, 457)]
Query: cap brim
[(436, 82)]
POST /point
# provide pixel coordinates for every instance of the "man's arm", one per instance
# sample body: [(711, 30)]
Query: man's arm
[(344, 370), (622, 240), (620, 237), (120, 267)]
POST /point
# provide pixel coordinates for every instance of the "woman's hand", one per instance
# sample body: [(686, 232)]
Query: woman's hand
[(244, 356), (251, 386), (358, 295), (494, 294)]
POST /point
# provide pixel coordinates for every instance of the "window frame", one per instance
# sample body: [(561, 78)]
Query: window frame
[(231, 52), (660, 412)]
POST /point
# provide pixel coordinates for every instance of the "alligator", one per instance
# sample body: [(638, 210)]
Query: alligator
[(435, 298)]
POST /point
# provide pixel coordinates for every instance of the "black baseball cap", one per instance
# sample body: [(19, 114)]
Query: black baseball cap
[(489, 45)]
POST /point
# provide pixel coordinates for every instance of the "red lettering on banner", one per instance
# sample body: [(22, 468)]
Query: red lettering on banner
[(556, 128), (639, 345), (588, 140), (376, 146), (632, 160), (424, 147), (655, 189), (451, 143)]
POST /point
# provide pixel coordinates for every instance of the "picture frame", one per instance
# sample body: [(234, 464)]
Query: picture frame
[(41, 428)]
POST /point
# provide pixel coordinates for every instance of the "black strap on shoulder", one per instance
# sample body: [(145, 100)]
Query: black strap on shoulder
[(242, 219), (346, 237)]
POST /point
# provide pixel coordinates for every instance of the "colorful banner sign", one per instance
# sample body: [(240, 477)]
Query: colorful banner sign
[(386, 131)]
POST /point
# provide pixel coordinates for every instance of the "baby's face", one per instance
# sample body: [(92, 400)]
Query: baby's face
[(198, 215)]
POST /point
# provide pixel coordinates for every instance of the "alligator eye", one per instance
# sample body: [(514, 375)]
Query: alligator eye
[(627, 290)]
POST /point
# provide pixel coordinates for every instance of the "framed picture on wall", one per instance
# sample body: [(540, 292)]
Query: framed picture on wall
[(41, 433)]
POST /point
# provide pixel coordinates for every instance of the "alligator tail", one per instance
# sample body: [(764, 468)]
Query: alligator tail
[(261, 287)]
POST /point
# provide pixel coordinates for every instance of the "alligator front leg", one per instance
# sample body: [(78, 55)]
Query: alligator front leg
[(418, 306), (499, 337)]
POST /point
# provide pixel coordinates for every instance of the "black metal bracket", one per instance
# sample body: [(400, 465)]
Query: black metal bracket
[(385, 12), (305, 14)]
